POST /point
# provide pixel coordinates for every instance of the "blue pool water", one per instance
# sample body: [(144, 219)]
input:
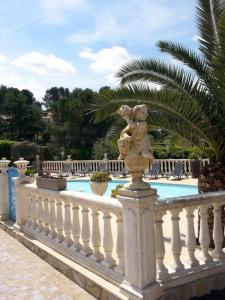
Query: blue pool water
[(164, 190)]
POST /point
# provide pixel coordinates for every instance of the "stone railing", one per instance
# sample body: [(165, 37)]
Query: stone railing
[(113, 166), (188, 258), (76, 224), (144, 245), (120, 242)]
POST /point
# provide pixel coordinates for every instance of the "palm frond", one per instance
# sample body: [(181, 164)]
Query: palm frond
[(207, 29), (165, 100), (187, 57)]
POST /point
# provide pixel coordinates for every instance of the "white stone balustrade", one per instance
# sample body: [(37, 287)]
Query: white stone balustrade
[(206, 256), (70, 223), (124, 239)]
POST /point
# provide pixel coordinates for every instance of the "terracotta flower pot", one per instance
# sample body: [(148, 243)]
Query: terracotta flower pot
[(99, 188)]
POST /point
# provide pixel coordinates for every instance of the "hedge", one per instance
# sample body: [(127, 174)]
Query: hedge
[(5, 148)]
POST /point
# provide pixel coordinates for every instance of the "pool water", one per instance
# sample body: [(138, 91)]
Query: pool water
[(165, 190)]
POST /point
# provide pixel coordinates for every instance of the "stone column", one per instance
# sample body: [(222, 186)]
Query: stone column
[(21, 197), (139, 243), (4, 190)]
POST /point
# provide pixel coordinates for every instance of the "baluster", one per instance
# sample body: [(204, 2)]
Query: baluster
[(160, 247), (120, 244), (190, 237), (67, 223), (59, 220), (217, 231), (85, 233), (96, 236), (29, 210), (108, 240), (34, 212), (76, 228), (46, 216), (204, 233), (176, 240), (189, 166), (40, 214), (52, 219)]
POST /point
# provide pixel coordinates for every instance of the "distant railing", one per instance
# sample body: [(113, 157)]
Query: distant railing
[(113, 166)]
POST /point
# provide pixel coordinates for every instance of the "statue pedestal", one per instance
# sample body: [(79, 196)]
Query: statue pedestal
[(136, 165), (139, 242)]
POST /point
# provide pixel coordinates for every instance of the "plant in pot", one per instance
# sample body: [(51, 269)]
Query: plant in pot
[(99, 182), (29, 173)]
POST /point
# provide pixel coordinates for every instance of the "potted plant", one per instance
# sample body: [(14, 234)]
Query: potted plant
[(30, 178), (99, 182)]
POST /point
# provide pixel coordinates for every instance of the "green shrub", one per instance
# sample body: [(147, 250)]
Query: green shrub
[(115, 191), (100, 177), (5, 148), (26, 150), (30, 172)]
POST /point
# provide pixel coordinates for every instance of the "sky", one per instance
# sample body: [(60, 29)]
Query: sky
[(82, 43)]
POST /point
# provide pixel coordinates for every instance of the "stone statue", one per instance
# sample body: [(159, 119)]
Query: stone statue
[(134, 142)]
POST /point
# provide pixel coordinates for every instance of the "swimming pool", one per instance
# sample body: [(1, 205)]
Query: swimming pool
[(165, 190)]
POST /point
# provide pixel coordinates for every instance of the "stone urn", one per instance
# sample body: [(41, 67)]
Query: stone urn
[(136, 165), (99, 188)]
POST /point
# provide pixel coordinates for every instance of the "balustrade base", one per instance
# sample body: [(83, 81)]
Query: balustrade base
[(153, 291), (76, 256), (17, 227), (4, 217)]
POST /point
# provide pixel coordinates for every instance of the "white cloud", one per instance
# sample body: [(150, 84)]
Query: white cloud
[(54, 9), (107, 61), (3, 58), (145, 22), (22, 82), (36, 72), (42, 64)]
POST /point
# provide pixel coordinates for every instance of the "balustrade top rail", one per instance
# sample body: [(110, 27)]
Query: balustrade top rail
[(192, 200), (89, 199)]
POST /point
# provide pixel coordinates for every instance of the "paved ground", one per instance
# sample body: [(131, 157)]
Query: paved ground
[(24, 276)]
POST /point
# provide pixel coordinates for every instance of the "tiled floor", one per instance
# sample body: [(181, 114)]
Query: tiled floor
[(24, 276)]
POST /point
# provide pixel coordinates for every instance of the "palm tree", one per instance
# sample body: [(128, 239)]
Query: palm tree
[(191, 99)]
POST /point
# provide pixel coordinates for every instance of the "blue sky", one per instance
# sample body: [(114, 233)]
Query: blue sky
[(82, 43)]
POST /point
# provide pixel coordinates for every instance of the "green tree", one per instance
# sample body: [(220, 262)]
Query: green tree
[(23, 114), (53, 94), (72, 126), (191, 98)]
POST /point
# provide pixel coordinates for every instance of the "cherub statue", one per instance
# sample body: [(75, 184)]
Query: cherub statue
[(134, 137)]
